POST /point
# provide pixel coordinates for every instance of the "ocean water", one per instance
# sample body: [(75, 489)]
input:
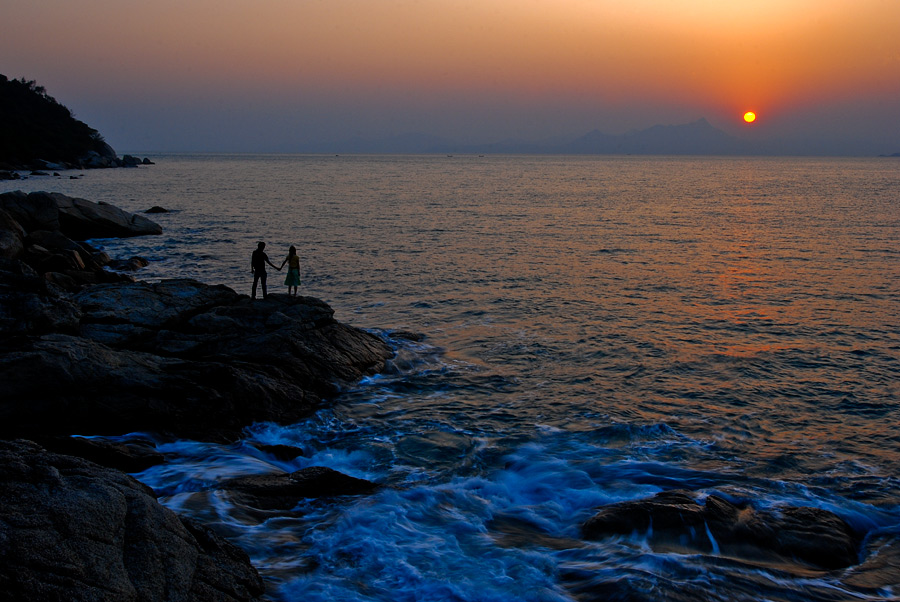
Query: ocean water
[(594, 329)]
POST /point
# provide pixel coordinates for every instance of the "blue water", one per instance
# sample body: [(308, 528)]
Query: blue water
[(594, 329)]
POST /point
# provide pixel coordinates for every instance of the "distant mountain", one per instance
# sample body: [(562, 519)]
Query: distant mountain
[(411, 143), (36, 130), (696, 138)]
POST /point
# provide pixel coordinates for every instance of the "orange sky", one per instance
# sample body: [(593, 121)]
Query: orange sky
[(508, 68)]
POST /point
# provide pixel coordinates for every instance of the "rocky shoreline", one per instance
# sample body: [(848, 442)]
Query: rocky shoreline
[(89, 351)]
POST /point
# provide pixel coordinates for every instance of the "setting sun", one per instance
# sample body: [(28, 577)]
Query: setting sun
[(749, 116)]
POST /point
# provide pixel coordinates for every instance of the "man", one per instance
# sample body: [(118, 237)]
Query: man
[(258, 262)]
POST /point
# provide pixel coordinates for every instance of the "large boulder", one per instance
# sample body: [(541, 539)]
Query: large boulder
[(183, 358), (78, 219), (12, 236), (282, 491), (675, 520), (81, 219), (32, 305), (73, 530), (33, 211)]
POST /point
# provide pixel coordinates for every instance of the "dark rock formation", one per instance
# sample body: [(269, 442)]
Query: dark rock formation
[(81, 219), (33, 305), (156, 209), (73, 530), (37, 132), (135, 455), (177, 357), (809, 535), (132, 264), (46, 231), (75, 218), (283, 491), (281, 452)]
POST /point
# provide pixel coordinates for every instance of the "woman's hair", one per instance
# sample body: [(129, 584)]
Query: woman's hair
[(292, 251)]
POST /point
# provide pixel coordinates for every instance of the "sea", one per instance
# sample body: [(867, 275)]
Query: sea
[(589, 330)]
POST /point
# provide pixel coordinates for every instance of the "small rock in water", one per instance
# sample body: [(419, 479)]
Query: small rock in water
[(282, 452), (810, 535), (283, 491), (156, 209), (129, 265)]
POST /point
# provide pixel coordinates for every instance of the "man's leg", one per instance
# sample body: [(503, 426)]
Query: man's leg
[(263, 278), (255, 281)]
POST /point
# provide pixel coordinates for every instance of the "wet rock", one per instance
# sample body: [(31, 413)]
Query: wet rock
[(73, 530), (156, 209), (183, 358), (284, 491), (147, 161), (676, 521), (128, 265), (281, 452), (130, 456)]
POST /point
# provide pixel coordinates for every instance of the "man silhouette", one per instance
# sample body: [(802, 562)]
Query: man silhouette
[(258, 262)]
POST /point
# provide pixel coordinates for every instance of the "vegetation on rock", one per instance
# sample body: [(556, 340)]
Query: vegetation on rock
[(35, 129)]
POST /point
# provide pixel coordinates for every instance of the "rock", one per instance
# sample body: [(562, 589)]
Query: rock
[(130, 456), (130, 161), (73, 530), (156, 209), (809, 535), (147, 161), (128, 265), (281, 452), (149, 306), (65, 261), (284, 491), (30, 305), (182, 358), (34, 211), (9, 175), (12, 236), (81, 219), (63, 281)]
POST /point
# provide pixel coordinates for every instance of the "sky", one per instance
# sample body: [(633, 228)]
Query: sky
[(288, 75)]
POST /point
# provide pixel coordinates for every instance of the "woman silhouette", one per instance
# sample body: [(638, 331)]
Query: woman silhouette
[(293, 276)]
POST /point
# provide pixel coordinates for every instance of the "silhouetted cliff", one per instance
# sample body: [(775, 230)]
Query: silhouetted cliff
[(36, 130)]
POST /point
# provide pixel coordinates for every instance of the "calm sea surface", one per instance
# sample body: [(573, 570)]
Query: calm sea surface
[(595, 329)]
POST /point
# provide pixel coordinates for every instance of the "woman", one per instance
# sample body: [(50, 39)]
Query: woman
[(293, 276)]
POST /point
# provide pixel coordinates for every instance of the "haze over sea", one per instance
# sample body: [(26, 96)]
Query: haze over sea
[(595, 329)]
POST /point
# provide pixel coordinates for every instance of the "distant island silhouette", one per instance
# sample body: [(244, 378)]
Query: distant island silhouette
[(38, 132)]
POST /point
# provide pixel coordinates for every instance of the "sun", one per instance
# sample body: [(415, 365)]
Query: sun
[(749, 116)]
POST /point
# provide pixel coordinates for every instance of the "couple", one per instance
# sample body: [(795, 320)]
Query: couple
[(258, 262)]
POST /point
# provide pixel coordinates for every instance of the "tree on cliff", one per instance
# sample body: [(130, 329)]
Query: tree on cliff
[(34, 127)]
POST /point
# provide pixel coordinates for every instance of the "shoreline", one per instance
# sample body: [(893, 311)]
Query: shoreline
[(85, 350)]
